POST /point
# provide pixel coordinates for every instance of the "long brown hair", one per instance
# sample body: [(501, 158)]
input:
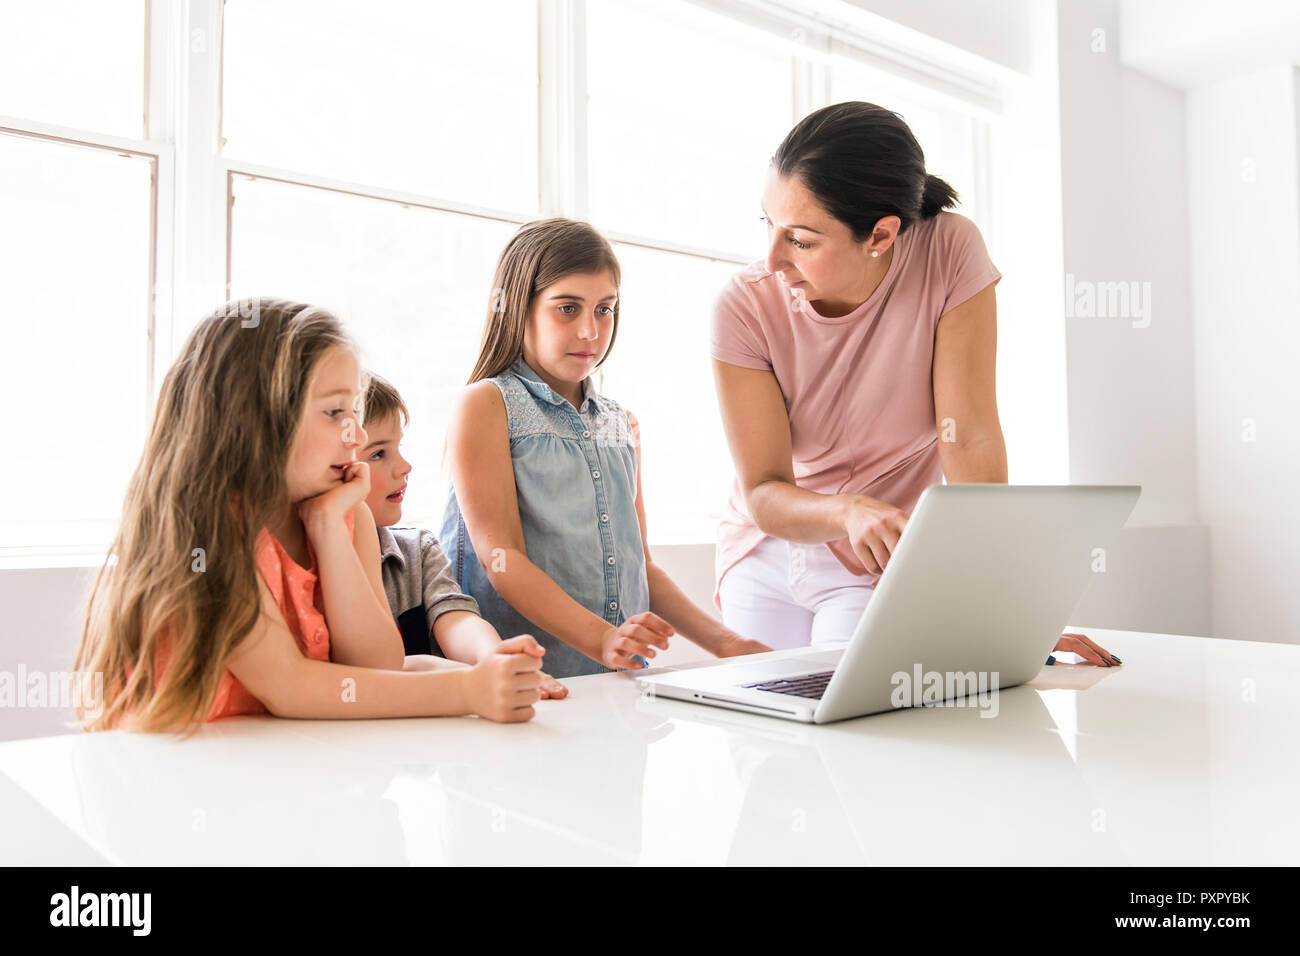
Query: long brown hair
[(540, 254), (212, 474)]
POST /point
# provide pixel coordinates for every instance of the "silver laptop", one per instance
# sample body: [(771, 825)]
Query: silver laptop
[(973, 599)]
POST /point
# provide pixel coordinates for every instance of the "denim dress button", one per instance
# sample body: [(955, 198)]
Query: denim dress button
[(613, 605), (610, 559)]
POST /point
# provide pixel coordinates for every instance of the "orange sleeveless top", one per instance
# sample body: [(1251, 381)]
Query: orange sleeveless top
[(298, 595)]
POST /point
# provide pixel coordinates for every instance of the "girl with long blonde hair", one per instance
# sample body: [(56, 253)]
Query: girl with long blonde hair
[(245, 576)]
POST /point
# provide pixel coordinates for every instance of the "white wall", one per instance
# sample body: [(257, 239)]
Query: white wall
[(1242, 151), (1132, 413), (1187, 43), (40, 626), (1131, 378), (1236, 66)]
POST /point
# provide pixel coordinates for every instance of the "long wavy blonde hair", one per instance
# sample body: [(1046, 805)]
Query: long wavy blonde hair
[(212, 474)]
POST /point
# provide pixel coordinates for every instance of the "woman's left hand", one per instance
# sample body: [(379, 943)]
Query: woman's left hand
[(552, 688), (1089, 650), (736, 645)]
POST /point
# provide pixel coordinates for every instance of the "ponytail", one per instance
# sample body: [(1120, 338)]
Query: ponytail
[(937, 197)]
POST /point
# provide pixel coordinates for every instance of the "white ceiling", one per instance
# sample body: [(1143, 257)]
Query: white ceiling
[(1189, 42)]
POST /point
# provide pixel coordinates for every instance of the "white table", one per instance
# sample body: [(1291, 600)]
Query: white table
[(1185, 755)]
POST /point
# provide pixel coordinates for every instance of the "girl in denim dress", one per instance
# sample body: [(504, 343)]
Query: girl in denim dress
[(545, 521)]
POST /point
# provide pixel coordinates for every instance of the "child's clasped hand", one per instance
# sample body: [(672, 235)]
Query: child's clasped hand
[(505, 685)]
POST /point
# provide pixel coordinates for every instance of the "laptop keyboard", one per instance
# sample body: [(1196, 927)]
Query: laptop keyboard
[(805, 685)]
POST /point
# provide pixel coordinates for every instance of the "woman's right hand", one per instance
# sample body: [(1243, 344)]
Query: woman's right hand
[(873, 528), (639, 634), (503, 686)]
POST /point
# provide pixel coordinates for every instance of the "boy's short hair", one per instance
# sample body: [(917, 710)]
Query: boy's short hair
[(383, 400)]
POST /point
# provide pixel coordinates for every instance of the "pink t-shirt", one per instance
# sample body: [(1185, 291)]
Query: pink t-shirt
[(857, 388)]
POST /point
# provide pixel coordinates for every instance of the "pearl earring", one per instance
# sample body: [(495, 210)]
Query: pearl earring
[(874, 253)]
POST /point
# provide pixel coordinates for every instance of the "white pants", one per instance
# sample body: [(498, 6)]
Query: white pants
[(787, 594)]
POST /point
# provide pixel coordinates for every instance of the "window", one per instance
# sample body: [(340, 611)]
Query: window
[(681, 123), (157, 158), (660, 370), (77, 198), (411, 284), (74, 264), (74, 63), (431, 98)]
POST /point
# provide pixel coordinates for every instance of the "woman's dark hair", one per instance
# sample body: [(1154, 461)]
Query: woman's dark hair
[(862, 163)]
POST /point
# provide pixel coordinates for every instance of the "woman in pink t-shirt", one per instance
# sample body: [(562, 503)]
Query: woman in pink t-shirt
[(854, 368)]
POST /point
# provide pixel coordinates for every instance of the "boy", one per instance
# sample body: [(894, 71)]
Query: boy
[(439, 624)]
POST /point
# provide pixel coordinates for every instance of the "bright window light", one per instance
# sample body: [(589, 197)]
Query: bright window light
[(682, 123), (74, 266), (413, 286), (661, 371), (432, 98), (74, 63)]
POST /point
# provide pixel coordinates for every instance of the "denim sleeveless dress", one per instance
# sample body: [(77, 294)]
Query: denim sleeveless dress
[(575, 475)]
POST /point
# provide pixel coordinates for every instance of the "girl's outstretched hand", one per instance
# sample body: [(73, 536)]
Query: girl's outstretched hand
[(504, 686), (639, 634), (340, 499)]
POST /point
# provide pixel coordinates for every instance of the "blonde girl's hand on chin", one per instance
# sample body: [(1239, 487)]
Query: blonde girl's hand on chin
[(340, 499)]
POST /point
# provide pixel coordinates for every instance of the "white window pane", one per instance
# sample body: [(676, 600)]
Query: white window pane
[(686, 108), (74, 63), (947, 137), (74, 266), (411, 284), (660, 370), (432, 98)]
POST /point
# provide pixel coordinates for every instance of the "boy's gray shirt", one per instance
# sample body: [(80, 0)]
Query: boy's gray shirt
[(417, 574)]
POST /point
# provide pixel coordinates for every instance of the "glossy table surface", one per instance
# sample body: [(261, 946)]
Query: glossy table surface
[(1185, 755)]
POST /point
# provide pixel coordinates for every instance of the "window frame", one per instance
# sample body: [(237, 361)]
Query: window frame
[(193, 183)]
